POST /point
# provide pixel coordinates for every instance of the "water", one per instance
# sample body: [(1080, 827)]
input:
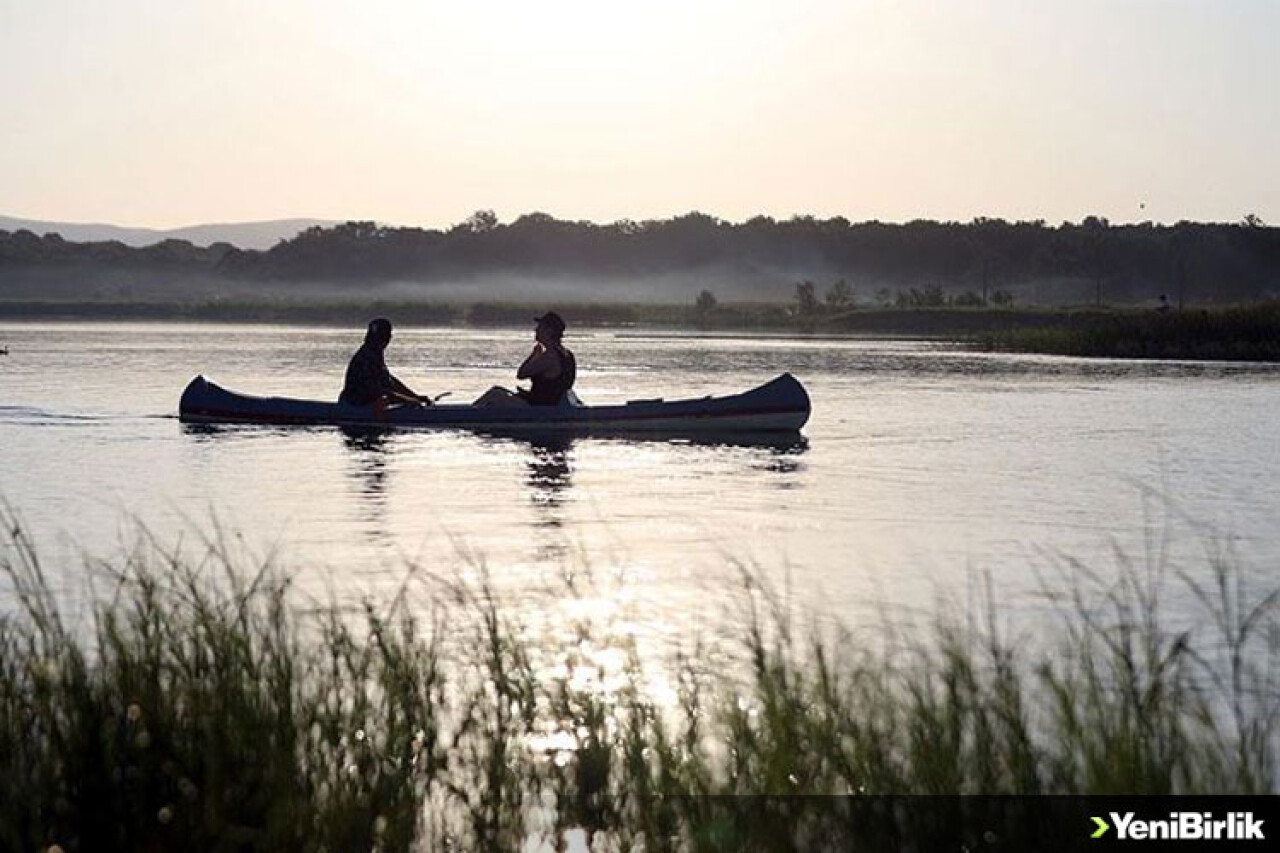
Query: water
[(923, 467)]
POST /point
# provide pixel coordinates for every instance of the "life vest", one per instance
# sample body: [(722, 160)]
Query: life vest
[(550, 391)]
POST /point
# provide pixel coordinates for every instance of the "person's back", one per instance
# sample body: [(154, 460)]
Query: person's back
[(367, 376), (368, 381)]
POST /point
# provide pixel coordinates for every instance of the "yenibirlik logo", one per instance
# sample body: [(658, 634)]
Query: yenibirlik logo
[(1182, 826)]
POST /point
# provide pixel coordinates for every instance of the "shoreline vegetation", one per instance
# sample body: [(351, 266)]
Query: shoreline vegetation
[(1233, 332), (199, 704), (1236, 333)]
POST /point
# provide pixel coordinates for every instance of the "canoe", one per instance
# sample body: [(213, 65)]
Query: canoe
[(781, 405)]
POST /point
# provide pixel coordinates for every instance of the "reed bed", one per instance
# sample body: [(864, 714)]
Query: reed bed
[(205, 705), (1245, 333)]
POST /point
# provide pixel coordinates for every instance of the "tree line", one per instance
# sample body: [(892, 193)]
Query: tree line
[(873, 262)]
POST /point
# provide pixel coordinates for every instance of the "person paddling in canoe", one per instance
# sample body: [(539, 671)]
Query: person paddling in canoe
[(550, 368), (368, 381)]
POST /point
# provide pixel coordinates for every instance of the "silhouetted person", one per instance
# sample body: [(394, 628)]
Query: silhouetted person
[(550, 367), (368, 381)]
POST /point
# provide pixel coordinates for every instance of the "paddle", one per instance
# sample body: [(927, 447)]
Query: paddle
[(428, 400)]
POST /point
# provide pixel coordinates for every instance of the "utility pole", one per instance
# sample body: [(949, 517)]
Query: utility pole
[(1182, 280)]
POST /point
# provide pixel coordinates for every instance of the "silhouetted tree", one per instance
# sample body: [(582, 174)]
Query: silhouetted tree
[(840, 295), (927, 297), (806, 299), (480, 222)]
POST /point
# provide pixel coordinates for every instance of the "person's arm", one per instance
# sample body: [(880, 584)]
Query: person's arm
[(395, 389), (404, 392), (540, 361)]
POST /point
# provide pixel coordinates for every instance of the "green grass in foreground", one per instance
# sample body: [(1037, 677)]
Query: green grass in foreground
[(1240, 334), (202, 709)]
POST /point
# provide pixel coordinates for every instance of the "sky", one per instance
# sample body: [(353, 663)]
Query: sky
[(162, 114)]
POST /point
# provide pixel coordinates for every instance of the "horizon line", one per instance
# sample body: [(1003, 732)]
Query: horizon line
[(331, 221)]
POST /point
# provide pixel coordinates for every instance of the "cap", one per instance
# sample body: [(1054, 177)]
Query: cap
[(553, 320)]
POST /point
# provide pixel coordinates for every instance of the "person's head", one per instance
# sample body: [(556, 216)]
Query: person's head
[(550, 328), (379, 332)]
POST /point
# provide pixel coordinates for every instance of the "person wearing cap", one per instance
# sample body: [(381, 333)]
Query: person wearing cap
[(368, 381), (550, 369)]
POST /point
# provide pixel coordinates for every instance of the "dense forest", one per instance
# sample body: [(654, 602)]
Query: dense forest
[(921, 262)]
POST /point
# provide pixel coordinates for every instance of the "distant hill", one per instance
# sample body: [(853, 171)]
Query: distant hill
[(245, 235)]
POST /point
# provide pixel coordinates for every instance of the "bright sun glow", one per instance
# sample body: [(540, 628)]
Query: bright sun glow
[(419, 112)]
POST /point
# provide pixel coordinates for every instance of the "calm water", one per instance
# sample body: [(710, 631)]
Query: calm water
[(923, 465)]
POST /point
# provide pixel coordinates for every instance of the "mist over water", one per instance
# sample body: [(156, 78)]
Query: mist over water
[(672, 288), (923, 468), (119, 287)]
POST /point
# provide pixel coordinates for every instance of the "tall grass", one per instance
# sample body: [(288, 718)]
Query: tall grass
[(208, 707), (1249, 333)]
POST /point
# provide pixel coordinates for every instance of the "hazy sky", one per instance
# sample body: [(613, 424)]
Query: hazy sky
[(172, 112)]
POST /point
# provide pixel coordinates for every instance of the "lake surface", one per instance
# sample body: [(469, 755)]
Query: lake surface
[(923, 468)]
